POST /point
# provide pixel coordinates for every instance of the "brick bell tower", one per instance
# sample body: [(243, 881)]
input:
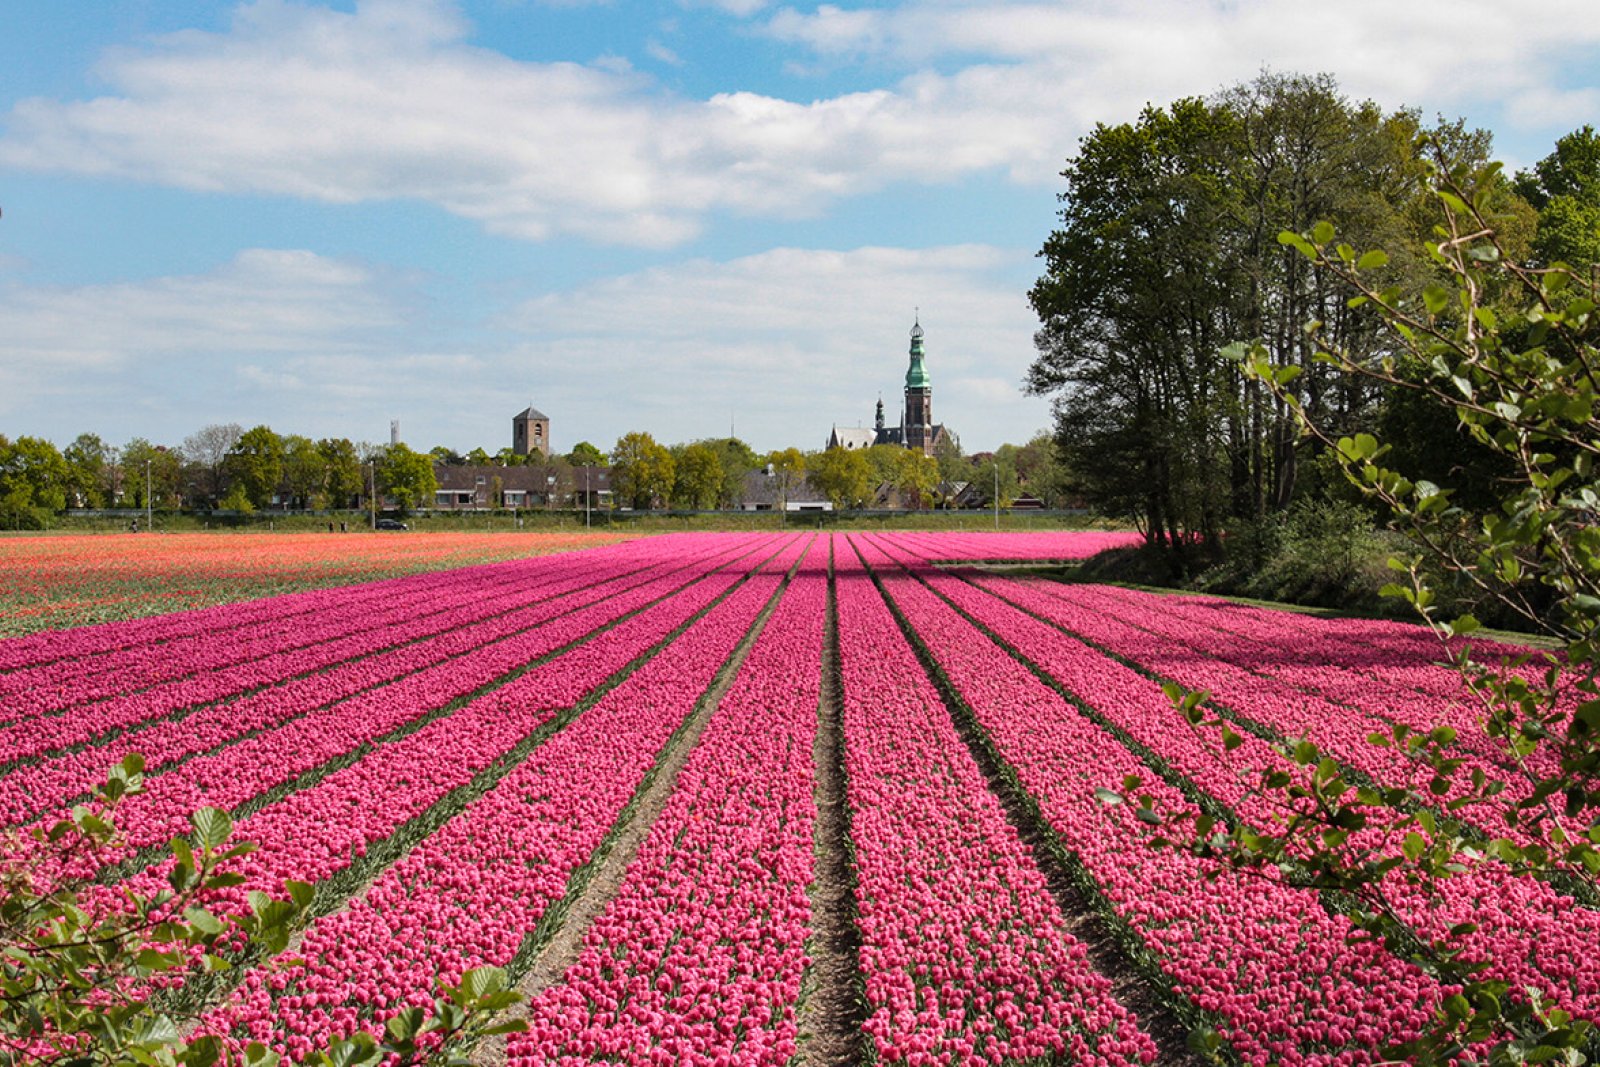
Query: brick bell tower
[(917, 423)]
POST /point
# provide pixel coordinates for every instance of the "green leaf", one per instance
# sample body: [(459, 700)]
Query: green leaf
[(481, 981), (1294, 240), (302, 893), (510, 1026), (1436, 298), (212, 826), (1107, 797), (1322, 232), (1372, 260), (204, 921), (405, 1025)]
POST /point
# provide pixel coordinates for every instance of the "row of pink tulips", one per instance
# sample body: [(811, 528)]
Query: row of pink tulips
[(1389, 684), (472, 892), (986, 545), (313, 834), (299, 724), (1342, 731), (1530, 935), (698, 960), (103, 638), (199, 680), (1263, 957), (966, 956), (239, 773), (336, 615)]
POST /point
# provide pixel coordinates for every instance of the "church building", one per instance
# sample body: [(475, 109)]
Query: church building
[(917, 428)]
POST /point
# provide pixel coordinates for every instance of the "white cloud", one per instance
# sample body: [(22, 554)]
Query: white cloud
[(786, 343), (261, 322), (392, 102), (660, 52)]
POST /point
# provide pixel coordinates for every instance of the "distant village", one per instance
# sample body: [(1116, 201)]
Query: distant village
[(914, 464)]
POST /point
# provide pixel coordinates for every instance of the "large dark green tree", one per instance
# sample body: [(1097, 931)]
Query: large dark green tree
[(1167, 252), (89, 460), (697, 476), (254, 466), (343, 477), (407, 476), (33, 481)]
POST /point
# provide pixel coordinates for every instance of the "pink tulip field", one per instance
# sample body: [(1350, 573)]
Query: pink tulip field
[(776, 798)]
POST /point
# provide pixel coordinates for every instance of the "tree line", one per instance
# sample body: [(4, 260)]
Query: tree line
[(1168, 252), (713, 474), (226, 467)]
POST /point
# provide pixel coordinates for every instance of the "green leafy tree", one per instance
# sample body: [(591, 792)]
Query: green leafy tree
[(584, 454), (507, 457), (446, 456), (88, 461), (738, 460), (954, 466), (997, 474), (697, 476), (156, 465), (255, 464), (642, 471), (83, 988), (915, 478), (236, 499), (1040, 470), (842, 474), (882, 460), (788, 467), (1564, 187), (343, 479), (34, 479), (1512, 353), (1167, 252), (305, 472), (479, 458), (407, 476)]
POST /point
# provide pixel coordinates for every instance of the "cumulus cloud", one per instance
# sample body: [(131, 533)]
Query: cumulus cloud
[(288, 321), (782, 344), (786, 343), (392, 101)]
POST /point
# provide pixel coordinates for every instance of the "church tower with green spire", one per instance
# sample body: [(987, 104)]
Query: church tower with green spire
[(916, 427)]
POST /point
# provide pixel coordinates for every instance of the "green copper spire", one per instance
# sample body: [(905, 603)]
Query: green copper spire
[(917, 374)]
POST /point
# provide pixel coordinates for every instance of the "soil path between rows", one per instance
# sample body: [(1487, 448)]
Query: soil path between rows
[(830, 1018)]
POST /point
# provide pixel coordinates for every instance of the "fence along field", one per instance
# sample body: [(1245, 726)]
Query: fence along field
[(470, 762)]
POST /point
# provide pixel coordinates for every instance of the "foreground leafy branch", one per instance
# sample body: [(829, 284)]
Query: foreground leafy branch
[(84, 985), (1509, 349)]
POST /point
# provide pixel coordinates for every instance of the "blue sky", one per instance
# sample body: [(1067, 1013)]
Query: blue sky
[(670, 217)]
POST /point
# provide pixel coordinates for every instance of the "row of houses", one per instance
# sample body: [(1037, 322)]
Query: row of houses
[(475, 488)]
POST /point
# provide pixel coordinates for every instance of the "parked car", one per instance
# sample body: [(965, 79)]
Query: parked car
[(392, 524)]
